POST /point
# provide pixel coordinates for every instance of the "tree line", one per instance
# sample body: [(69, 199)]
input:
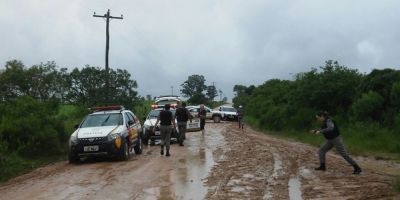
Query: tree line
[(358, 101), (39, 106)]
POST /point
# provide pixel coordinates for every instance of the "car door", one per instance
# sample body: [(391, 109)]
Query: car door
[(135, 126), (129, 126)]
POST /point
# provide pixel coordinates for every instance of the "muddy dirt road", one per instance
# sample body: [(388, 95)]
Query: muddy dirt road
[(225, 163)]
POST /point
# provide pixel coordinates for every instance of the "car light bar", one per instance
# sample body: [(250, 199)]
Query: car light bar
[(104, 108), (155, 106)]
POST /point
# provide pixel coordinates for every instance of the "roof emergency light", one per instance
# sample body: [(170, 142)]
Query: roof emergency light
[(105, 108)]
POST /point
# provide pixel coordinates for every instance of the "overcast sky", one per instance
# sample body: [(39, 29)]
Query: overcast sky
[(162, 42)]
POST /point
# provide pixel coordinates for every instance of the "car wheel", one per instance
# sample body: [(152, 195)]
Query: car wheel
[(217, 119), (138, 147), (124, 152), (152, 142), (145, 140), (72, 158)]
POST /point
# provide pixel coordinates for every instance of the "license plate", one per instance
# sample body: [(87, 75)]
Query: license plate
[(90, 148), (193, 125), (157, 133)]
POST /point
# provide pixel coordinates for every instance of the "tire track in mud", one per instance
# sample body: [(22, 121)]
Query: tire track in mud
[(259, 166)]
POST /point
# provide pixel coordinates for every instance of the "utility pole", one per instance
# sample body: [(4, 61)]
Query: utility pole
[(108, 17)]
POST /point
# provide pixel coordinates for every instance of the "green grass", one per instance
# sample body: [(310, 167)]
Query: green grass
[(359, 139), (396, 184), (14, 165)]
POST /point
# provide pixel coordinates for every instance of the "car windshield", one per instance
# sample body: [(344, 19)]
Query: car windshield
[(154, 114), (111, 119), (227, 109)]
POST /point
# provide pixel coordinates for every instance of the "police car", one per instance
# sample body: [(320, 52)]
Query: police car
[(152, 136), (108, 131)]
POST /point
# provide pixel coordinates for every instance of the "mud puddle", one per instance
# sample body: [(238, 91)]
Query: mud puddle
[(190, 168)]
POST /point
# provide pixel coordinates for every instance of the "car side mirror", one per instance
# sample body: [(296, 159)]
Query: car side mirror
[(76, 126), (130, 123)]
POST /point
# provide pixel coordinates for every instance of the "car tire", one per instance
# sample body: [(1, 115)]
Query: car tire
[(217, 119), (73, 159), (124, 151), (138, 148), (152, 142), (145, 140)]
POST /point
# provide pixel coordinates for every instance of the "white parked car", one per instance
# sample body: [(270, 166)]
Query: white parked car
[(108, 131)]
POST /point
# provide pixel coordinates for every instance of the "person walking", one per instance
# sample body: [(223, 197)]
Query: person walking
[(182, 115), (331, 132), (166, 119), (240, 115), (202, 116)]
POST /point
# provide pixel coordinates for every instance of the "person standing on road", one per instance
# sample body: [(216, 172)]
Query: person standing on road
[(166, 119), (182, 115), (240, 115), (333, 139), (202, 116)]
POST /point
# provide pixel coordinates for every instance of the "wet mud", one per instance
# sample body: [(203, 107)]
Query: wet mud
[(224, 163)]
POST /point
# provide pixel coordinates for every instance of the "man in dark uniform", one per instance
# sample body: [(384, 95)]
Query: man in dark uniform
[(333, 139), (182, 115), (166, 119), (202, 116), (240, 115)]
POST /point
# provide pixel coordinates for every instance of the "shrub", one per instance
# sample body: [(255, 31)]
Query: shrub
[(368, 107), (29, 127)]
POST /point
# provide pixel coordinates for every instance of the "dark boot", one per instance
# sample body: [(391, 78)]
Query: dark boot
[(167, 154), (322, 167), (162, 150), (357, 169), (181, 144)]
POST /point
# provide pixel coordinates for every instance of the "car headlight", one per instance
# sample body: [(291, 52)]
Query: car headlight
[(73, 140), (113, 136)]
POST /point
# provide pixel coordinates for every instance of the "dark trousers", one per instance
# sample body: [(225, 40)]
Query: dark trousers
[(165, 132), (182, 131), (338, 144), (202, 123)]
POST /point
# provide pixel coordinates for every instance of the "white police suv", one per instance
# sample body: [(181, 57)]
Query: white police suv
[(109, 131)]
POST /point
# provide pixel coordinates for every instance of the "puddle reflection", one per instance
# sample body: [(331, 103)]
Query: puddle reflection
[(198, 163)]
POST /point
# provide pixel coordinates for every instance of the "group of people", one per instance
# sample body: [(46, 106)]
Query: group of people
[(328, 128), (182, 116)]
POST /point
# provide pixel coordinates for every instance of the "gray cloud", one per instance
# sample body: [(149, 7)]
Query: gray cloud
[(230, 42)]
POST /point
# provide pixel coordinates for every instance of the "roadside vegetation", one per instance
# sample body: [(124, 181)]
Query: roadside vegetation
[(39, 106), (365, 106)]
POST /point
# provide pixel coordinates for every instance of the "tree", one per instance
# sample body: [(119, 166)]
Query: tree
[(332, 88), (242, 94), (368, 106), (194, 86), (239, 89), (211, 92), (87, 87)]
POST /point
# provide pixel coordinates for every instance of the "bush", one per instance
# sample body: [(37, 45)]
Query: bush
[(368, 107), (302, 119), (29, 127)]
